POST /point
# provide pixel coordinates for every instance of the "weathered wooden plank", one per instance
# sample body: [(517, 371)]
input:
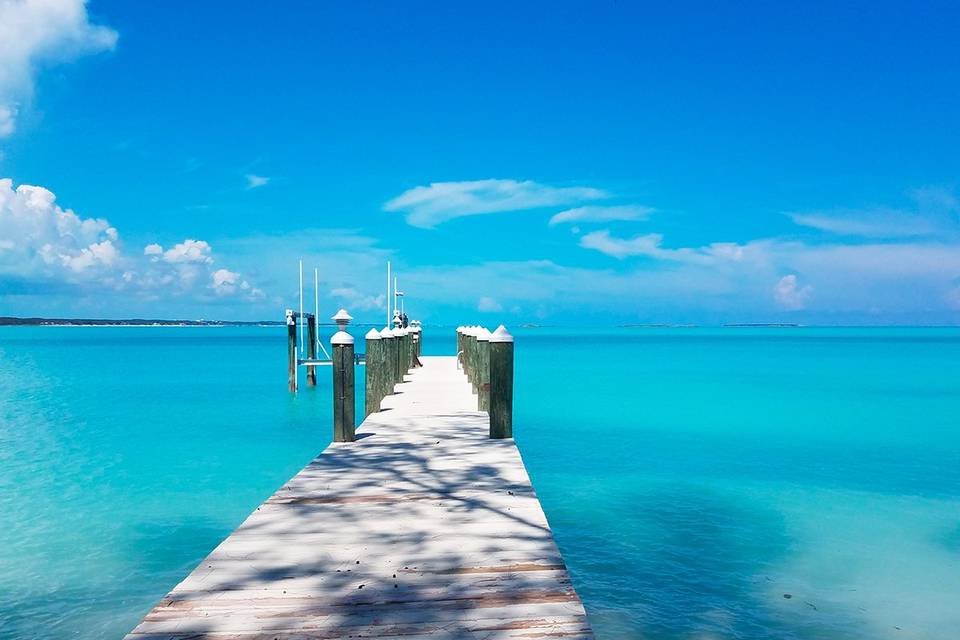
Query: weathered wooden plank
[(422, 527)]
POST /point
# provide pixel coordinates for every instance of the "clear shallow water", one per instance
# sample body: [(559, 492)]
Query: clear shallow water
[(692, 476)]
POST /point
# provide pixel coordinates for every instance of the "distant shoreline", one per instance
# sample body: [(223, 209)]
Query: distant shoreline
[(8, 321)]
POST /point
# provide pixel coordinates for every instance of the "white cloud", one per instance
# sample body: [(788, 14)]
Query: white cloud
[(428, 206), (43, 237), (45, 245), (351, 299), (873, 223), (593, 213), (789, 295), (229, 283), (186, 252), (934, 212), (254, 181), (489, 305), (650, 245), (34, 33)]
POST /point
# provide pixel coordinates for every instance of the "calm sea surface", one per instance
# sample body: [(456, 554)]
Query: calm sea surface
[(702, 483)]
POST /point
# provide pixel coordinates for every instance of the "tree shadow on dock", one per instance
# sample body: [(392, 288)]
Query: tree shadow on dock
[(407, 531)]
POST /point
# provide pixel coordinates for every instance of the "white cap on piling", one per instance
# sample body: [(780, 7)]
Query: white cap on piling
[(501, 335), (386, 332), (483, 335), (373, 334), (290, 319), (342, 316), (341, 337), (460, 329)]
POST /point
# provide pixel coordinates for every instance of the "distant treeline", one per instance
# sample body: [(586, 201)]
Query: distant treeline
[(7, 320)]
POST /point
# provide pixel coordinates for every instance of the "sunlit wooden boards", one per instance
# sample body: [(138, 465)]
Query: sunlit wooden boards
[(422, 528)]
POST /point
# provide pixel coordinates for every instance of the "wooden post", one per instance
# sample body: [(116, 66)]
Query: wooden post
[(291, 351), (386, 337), (460, 347), (483, 370), (373, 372), (472, 358), (312, 349), (344, 420), (501, 383), (398, 338)]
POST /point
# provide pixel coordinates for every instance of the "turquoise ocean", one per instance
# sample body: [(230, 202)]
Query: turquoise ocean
[(791, 483)]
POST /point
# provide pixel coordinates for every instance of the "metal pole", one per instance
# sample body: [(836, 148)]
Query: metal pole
[(388, 294)]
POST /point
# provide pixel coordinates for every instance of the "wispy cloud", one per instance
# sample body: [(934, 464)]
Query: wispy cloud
[(254, 181), (486, 304), (650, 245), (33, 34), (595, 213), (428, 206), (934, 212)]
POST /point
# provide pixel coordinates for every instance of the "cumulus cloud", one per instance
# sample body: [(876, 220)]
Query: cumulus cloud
[(594, 213), (45, 245), (42, 238), (34, 33), (489, 305), (789, 294), (428, 206), (254, 181), (187, 251), (229, 283)]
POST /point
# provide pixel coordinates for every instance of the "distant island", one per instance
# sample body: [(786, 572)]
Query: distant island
[(777, 325), (131, 322)]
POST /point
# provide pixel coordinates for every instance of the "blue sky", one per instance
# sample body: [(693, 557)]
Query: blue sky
[(551, 162)]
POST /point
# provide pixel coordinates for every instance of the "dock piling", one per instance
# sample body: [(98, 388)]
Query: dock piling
[(373, 372), (501, 383), (483, 369), (344, 387), (311, 349), (291, 351)]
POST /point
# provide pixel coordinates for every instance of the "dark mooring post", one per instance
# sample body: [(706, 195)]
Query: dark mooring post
[(386, 337), (416, 345), (374, 372), (501, 383), (312, 349), (483, 370), (291, 351), (472, 357), (460, 346), (397, 348), (344, 389)]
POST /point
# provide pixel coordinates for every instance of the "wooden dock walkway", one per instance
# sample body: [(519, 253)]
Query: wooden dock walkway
[(422, 528)]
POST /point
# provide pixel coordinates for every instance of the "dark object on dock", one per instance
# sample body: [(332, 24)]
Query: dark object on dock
[(501, 383)]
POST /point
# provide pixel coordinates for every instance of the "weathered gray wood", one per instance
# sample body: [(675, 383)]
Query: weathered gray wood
[(344, 392), (483, 372), (373, 373), (501, 384), (312, 349), (423, 528)]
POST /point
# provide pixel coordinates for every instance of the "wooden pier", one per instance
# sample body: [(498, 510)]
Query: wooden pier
[(423, 527)]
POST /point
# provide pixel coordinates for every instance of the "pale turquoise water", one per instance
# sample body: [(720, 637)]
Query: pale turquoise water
[(692, 476)]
